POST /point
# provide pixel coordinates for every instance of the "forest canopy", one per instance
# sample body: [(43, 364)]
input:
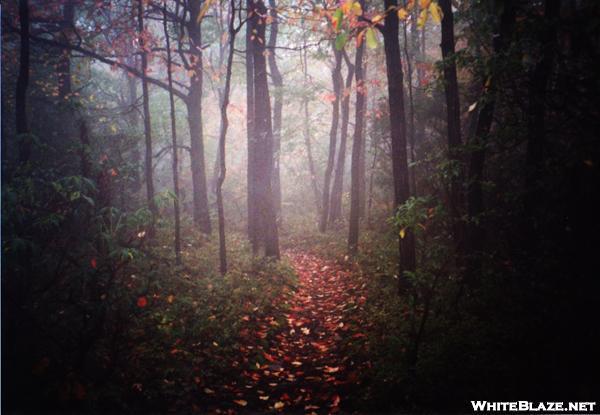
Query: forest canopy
[(298, 206)]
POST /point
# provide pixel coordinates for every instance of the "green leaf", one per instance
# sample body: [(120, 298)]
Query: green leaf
[(340, 41), (338, 16), (371, 38)]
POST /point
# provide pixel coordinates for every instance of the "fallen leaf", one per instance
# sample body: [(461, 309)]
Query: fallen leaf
[(241, 402), (279, 405)]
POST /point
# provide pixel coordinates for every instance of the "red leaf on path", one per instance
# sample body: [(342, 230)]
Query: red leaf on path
[(336, 400), (94, 263), (142, 302), (269, 357), (359, 335)]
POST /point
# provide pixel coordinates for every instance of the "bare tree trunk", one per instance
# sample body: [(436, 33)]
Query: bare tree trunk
[(277, 80), (265, 208), (475, 233), (194, 107), (222, 138), (147, 124), (177, 241), (453, 120), (251, 176), (411, 125), (336, 77), (398, 137), (375, 148), (307, 141), (335, 210), (64, 60), (356, 150), (22, 85)]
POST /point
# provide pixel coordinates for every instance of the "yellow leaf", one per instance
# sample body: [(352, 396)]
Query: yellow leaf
[(422, 19), (436, 12), (170, 299), (264, 398), (371, 38), (402, 233), (356, 9), (424, 4), (377, 19), (402, 13), (279, 405), (203, 10), (241, 402)]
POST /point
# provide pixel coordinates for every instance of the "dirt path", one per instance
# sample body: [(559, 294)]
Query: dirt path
[(300, 362)]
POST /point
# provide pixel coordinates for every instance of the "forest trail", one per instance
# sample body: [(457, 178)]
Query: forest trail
[(305, 365)]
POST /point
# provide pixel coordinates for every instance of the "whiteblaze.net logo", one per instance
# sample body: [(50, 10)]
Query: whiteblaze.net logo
[(529, 406)]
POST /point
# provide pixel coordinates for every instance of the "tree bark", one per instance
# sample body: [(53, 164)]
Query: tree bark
[(64, 59), (222, 138), (194, 108), (147, 123), (453, 121), (335, 210), (175, 164), (357, 144), (277, 80), (267, 230), (398, 137), (251, 179), (22, 85), (307, 141), (336, 78), (475, 236)]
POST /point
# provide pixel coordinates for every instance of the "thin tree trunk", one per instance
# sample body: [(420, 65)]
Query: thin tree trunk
[(398, 137), (356, 150), (267, 231), (307, 142), (147, 124), (453, 120), (251, 176), (177, 241), (194, 107), (277, 80), (335, 210), (22, 85), (222, 138), (411, 125), (362, 165), (336, 77), (64, 59), (475, 234), (375, 148)]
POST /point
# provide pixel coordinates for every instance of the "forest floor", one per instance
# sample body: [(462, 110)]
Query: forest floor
[(306, 360)]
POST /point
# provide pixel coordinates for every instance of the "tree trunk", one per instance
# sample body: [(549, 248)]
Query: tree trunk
[(336, 77), (356, 150), (22, 84), (267, 231), (64, 59), (307, 142), (222, 138), (177, 241), (277, 81), (335, 210), (147, 124), (453, 121), (398, 137), (475, 236), (194, 108), (411, 126), (251, 176)]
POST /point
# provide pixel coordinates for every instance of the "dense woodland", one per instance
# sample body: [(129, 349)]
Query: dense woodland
[(299, 206)]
